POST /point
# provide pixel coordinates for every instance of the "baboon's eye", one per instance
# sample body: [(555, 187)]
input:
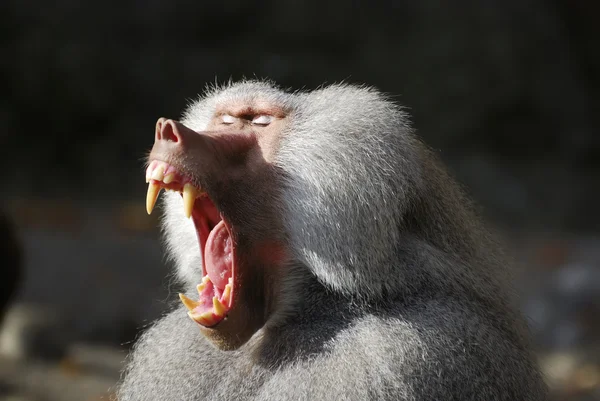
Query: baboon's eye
[(262, 120), (227, 119)]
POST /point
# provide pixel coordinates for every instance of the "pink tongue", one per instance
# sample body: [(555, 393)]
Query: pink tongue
[(218, 254)]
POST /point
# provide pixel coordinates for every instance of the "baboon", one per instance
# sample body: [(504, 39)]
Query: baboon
[(326, 254)]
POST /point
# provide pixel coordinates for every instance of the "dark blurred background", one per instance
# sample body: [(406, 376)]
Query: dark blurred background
[(507, 92)]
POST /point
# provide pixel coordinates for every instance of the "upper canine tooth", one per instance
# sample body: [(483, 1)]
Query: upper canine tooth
[(158, 173), (153, 191), (189, 197)]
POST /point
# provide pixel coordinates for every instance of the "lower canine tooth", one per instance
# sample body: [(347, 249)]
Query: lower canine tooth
[(153, 191), (219, 307), (227, 294), (189, 197), (189, 303)]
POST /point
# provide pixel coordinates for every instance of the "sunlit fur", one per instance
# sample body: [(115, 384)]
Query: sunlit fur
[(395, 291)]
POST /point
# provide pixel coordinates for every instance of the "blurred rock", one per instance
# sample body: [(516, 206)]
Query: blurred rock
[(44, 381), (102, 280), (559, 283), (33, 332)]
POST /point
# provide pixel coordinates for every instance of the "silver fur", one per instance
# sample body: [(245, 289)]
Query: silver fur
[(396, 291)]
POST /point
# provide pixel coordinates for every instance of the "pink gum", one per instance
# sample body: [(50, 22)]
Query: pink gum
[(178, 177)]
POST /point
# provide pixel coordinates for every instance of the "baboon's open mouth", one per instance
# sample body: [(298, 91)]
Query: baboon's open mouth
[(216, 243)]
